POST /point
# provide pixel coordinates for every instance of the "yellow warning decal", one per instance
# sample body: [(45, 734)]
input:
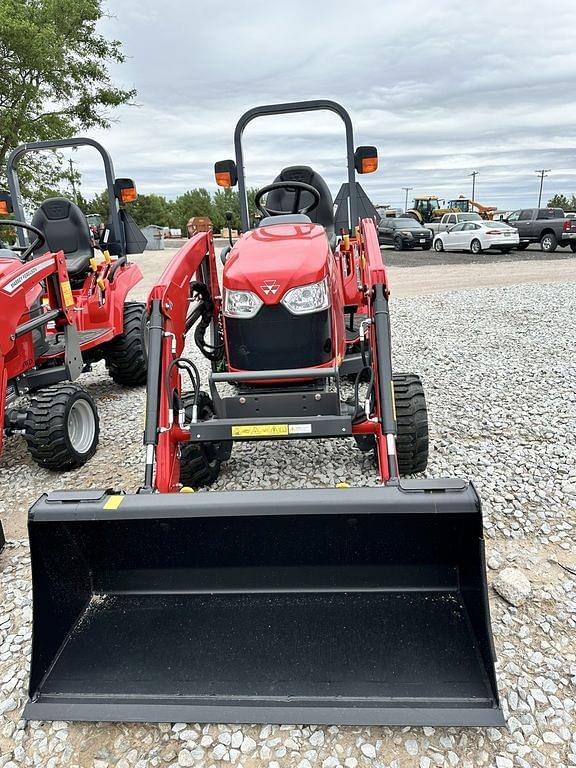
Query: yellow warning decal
[(113, 502), (67, 293), (261, 430)]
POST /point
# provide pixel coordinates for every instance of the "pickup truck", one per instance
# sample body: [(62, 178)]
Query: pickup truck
[(547, 226), (450, 219)]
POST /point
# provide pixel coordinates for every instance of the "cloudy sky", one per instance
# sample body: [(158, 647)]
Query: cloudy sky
[(441, 88)]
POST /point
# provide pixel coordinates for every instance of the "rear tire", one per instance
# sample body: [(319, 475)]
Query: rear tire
[(200, 463), (549, 242), (475, 247), (61, 427), (573, 247), (412, 442), (127, 355), (438, 246)]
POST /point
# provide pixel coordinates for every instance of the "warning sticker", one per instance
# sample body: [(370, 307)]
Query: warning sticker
[(67, 293), (271, 430), (300, 429), (261, 430)]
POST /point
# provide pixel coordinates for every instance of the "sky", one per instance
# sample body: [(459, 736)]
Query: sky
[(441, 88)]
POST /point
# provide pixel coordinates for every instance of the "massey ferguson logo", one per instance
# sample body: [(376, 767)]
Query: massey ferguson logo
[(16, 282), (270, 287)]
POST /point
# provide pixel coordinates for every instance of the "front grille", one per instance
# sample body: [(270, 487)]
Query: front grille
[(277, 339)]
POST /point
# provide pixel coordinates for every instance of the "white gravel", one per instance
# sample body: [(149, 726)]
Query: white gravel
[(499, 367)]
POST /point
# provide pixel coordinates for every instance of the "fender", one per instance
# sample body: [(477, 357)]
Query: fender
[(15, 287)]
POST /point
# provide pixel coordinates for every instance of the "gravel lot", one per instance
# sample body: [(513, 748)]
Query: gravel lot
[(499, 370)]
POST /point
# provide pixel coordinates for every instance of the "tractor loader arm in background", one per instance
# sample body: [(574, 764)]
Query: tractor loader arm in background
[(353, 606)]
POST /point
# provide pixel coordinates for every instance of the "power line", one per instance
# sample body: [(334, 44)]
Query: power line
[(406, 189), (474, 174), (72, 180), (541, 172)]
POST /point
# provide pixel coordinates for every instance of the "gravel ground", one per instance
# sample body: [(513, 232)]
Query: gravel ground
[(417, 257), (499, 370)]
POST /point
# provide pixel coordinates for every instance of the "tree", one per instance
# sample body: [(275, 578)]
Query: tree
[(151, 209), (195, 202), (225, 200), (564, 202), (99, 204), (229, 200), (54, 80)]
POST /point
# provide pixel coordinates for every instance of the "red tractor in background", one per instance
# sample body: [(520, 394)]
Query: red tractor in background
[(62, 310)]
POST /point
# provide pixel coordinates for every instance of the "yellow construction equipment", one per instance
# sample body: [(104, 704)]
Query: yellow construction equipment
[(465, 205)]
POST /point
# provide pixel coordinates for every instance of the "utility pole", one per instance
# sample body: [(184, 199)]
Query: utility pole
[(72, 182), (474, 174), (541, 172), (406, 189)]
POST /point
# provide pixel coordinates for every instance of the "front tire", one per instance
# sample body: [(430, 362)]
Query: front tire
[(475, 247), (62, 427), (398, 244), (412, 443), (522, 246), (549, 242), (127, 355), (200, 463), (438, 246)]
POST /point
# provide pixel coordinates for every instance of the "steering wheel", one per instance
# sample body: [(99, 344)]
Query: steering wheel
[(291, 186), (28, 250)]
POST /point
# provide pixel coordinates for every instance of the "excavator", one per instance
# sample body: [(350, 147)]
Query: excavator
[(429, 208), (466, 205)]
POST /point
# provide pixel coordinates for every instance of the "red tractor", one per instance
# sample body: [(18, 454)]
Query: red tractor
[(355, 605), (62, 310)]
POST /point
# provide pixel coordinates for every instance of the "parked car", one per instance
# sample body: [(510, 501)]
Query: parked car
[(570, 214), (450, 219), (404, 233), (477, 236), (547, 226)]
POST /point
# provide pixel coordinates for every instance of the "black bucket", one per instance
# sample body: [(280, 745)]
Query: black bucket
[(352, 606)]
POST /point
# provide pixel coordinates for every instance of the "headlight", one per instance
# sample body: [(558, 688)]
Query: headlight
[(406, 232), (307, 298), (241, 304)]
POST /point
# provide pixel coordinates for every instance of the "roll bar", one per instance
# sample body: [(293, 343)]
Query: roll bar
[(114, 223), (287, 108)]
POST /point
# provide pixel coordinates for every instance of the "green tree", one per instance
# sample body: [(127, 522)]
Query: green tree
[(195, 202), (225, 200), (54, 80), (560, 201), (151, 209)]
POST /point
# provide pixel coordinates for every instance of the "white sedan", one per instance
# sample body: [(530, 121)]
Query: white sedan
[(478, 236)]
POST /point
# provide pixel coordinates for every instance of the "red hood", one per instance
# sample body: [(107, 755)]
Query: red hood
[(270, 260)]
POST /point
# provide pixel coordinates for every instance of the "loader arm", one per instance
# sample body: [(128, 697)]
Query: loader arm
[(168, 304)]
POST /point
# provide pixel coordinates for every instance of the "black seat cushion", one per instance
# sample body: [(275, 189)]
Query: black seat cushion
[(66, 229), (282, 199)]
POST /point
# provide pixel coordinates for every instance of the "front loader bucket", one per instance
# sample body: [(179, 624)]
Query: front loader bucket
[(349, 606)]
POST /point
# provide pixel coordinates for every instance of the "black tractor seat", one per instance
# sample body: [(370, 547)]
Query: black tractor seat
[(283, 199), (66, 229)]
